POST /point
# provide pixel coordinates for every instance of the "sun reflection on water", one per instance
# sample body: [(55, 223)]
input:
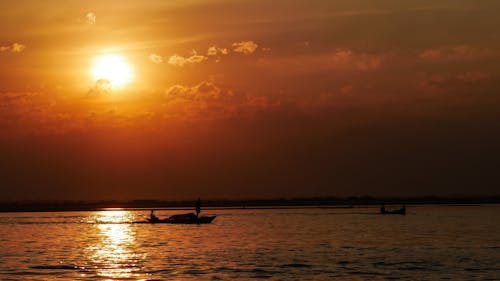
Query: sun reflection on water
[(114, 254)]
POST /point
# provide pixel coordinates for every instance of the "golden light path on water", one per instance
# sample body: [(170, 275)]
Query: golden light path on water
[(114, 254)]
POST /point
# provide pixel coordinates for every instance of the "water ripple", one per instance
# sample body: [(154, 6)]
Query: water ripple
[(253, 245)]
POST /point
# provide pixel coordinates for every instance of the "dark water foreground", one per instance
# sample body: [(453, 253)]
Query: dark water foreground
[(429, 243)]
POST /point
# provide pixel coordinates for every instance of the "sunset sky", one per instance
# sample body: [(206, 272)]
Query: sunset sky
[(231, 99)]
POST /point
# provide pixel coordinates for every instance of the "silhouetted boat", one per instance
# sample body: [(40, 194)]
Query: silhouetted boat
[(401, 211), (188, 218)]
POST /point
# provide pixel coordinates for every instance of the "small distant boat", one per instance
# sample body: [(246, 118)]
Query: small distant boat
[(401, 211), (188, 218)]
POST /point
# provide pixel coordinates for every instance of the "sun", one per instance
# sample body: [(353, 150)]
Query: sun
[(113, 68)]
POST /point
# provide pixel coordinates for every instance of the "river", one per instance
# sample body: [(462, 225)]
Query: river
[(429, 243)]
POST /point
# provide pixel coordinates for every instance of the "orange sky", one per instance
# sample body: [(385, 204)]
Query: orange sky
[(249, 99)]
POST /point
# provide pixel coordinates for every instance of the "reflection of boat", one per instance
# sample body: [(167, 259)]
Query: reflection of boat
[(401, 211), (188, 218)]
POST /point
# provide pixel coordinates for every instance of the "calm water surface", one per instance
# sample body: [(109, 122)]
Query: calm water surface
[(430, 243)]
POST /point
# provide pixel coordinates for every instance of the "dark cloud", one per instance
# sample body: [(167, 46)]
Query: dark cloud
[(100, 87)]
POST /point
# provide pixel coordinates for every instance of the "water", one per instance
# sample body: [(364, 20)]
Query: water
[(429, 243)]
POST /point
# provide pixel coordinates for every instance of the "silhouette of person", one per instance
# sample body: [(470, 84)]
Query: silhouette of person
[(152, 216), (198, 207), (382, 209)]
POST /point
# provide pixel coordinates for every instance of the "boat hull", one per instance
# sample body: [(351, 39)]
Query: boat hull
[(395, 212), (180, 219)]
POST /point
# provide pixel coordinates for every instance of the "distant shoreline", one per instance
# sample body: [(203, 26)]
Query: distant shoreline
[(323, 202)]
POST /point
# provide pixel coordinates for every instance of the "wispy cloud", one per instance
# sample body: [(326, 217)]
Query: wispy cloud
[(178, 60), (454, 53), (341, 61), (245, 47), (156, 58), (14, 48), (90, 18), (359, 61), (474, 76), (444, 82)]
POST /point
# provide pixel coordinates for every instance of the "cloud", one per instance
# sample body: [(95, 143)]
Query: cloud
[(454, 82), (210, 100), (214, 51), (339, 61), (101, 86), (14, 48), (454, 53), (50, 113), (430, 54), (245, 47), (28, 113), (156, 58), (90, 18), (178, 60), (359, 61), (17, 48), (203, 90), (474, 76)]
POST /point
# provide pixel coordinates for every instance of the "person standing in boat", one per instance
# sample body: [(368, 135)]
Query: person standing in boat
[(382, 209), (198, 207), (152, 216)]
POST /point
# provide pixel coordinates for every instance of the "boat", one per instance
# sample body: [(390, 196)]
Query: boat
[(189, 218), (401, 211)]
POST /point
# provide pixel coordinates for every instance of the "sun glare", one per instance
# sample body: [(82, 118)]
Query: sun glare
[(113, 68)]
